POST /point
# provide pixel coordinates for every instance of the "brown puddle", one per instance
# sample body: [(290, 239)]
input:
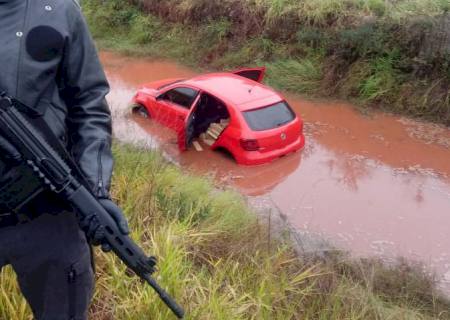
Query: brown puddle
[(377, 185)]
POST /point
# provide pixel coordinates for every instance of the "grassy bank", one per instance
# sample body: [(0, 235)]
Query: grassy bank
[(219, 262), (388, 55)]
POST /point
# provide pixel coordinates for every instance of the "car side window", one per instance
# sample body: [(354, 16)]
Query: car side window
[(181, 96)]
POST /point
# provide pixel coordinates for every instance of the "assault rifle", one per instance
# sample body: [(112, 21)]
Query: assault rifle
[(58, 176)]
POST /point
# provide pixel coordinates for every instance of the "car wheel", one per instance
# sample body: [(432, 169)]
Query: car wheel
[(226, 153), (140, 111)]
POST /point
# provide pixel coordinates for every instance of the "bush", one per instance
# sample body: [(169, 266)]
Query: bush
[(363, 42), (382, 81), (378, 7), (295, 75), (313, 37), (146, 29)]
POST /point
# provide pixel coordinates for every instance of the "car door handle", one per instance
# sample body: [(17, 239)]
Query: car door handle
[(181, 117)]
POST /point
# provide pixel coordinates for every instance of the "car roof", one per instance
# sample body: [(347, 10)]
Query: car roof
[(243, 93)]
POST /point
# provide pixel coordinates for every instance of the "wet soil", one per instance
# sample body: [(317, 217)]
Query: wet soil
[(374, 184)]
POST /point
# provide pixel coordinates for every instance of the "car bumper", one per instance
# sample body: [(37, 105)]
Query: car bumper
[(257, 157)]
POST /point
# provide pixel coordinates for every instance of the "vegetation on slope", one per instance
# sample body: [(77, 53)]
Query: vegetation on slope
[(216, 259), (390, 55)]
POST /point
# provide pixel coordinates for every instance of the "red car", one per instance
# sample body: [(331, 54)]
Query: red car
[(229, 111)]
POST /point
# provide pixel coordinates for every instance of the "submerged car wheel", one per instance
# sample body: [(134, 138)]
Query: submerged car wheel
[(140, 111)]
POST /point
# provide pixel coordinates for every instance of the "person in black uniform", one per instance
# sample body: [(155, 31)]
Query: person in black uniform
[(49, 62)]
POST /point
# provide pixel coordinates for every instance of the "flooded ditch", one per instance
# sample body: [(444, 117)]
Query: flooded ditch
[(376, 185)]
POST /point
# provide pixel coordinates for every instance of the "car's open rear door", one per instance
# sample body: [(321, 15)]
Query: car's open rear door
[(256, 74)]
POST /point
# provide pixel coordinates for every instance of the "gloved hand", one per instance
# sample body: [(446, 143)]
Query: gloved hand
[(95, 231)]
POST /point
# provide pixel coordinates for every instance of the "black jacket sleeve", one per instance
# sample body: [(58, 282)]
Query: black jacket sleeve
[(88, 118)]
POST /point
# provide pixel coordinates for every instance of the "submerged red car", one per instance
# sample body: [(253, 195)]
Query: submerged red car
[(228, 111)]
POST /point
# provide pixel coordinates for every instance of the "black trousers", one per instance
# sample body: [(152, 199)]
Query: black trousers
[(52, 260)]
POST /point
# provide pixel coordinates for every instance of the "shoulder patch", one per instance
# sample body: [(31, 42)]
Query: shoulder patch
[(43, 43)]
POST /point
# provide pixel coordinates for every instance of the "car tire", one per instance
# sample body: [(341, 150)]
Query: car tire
[(140, 111), (227, 153)]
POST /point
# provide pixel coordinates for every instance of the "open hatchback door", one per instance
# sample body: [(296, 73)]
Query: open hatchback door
[(255, 74)]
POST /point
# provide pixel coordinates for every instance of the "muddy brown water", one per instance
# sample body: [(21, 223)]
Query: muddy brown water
[(375, 185)]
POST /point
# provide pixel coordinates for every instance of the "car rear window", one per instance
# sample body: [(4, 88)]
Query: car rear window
[(269, 117)]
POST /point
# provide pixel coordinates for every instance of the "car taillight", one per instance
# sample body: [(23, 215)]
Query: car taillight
[(249, 144)]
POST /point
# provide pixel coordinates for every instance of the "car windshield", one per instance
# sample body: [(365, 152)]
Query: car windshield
[(170, 83), (269, 117)]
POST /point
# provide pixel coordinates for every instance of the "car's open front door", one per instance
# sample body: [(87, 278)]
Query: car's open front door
[(256, 74), (184, 134)]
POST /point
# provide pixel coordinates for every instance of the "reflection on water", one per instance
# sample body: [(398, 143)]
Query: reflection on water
[(377, 185)]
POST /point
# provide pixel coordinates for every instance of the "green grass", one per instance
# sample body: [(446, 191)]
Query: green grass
[(215, 258), (380, 82), (295, 75), (314, 11)]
